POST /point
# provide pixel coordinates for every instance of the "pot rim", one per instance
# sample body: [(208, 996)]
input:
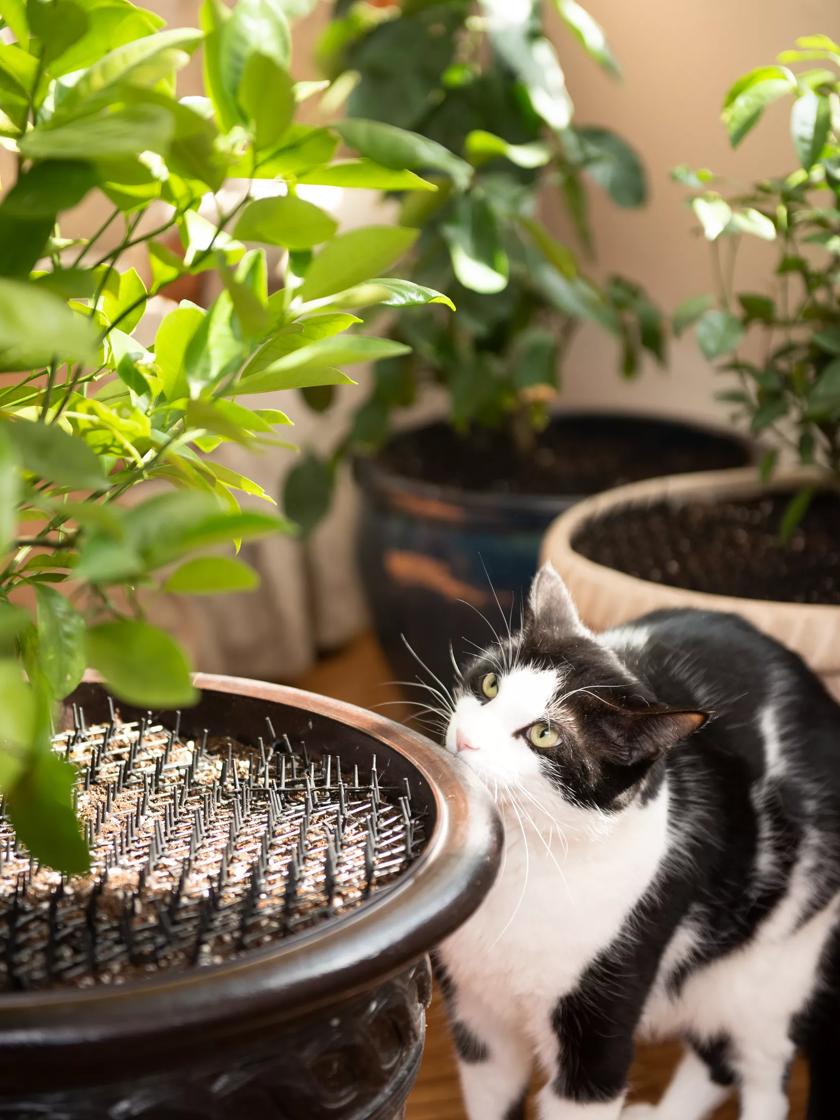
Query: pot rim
[(440, 500), (286, 981), (706, 485)]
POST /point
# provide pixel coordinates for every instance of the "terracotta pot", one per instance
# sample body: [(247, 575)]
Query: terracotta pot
[(606, 597), (326, 1024)]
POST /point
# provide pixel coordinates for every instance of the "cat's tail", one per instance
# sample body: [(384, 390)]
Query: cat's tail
[(822, 1041)]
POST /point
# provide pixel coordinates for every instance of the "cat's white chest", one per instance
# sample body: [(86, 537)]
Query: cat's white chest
[(555, 905)]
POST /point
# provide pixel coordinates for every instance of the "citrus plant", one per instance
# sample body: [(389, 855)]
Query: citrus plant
[(89, 110), (483, 80), (782, 343)]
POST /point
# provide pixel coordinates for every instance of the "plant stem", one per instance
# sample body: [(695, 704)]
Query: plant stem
[(92, 240)]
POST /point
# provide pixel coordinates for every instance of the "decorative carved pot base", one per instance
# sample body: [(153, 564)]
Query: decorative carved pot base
[(357, 1061)]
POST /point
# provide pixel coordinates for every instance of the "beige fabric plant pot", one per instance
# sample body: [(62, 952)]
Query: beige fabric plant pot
[(606, 597)]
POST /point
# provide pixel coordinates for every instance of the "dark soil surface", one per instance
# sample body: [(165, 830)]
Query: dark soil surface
[(575, 455), (724, 548)]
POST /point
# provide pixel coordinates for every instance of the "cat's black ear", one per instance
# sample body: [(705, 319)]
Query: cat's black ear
[(644, 735), (551, 612)]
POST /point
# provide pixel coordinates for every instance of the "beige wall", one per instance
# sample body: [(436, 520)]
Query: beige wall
[(678, 57)]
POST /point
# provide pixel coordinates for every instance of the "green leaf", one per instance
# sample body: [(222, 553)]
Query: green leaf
[(249, 307), (61, 631), (757, 307), (576, 297), (287, 221), (749, 97), (140, 664), (689, 311), (828, 340), (36, 326), (555, 252), (125, 130), (271, 381), (9, 489), (353, 257), (718, 332), (254, 27), (536, 360), (57, 23), (268, 98), (390, 292), (481, 146), (613, 164), (697, 179), (137, 63), (796, 509), (124, 291), (321, 356), (768, 464), (364, 174), (714, 215), (767, 414), (173, 337), (307, 492), (222, 528), (14, 13), (110, 23), (53, 454), (589, 34), (13, 620), (217, 348), (753, 222), (209, 575), (810, 123), (40, 807), (475, 246), (46, 189), (824, 399), (17, 710), (532, 59), (398, 148)]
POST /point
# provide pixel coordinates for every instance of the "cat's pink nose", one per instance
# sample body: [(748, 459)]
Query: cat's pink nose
[(462, 743)]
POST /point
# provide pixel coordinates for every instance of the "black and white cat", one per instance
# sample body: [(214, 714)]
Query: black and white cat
[(670, 792)]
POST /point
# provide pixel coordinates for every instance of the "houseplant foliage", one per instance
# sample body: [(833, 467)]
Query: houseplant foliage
[(782, 344), (483, 80), (89, 107)]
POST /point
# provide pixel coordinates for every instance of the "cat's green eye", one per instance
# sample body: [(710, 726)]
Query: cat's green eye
[(490, 685), (543, 736)]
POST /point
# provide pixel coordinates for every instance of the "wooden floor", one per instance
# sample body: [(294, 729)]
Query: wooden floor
[(360, 675)]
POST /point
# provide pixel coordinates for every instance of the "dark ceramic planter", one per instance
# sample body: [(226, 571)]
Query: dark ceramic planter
[(429, 552), (326, 1024)]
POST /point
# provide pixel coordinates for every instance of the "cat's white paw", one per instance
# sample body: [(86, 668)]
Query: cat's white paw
[(639, 1112)]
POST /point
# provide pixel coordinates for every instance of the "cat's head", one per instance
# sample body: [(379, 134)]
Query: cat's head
[(551, 706)]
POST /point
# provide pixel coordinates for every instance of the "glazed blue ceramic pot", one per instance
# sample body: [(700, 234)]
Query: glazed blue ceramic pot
[(435, 556)]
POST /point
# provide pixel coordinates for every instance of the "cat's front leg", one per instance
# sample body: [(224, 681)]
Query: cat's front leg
[(587, 1058), (494, 1069), (495, 1059)]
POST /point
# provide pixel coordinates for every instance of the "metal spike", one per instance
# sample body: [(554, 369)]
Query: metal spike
[(370, 862), (329, 875)]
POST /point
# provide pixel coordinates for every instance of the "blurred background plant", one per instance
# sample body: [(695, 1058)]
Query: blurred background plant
[(88, 413), (484, 81), (783, 344)]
